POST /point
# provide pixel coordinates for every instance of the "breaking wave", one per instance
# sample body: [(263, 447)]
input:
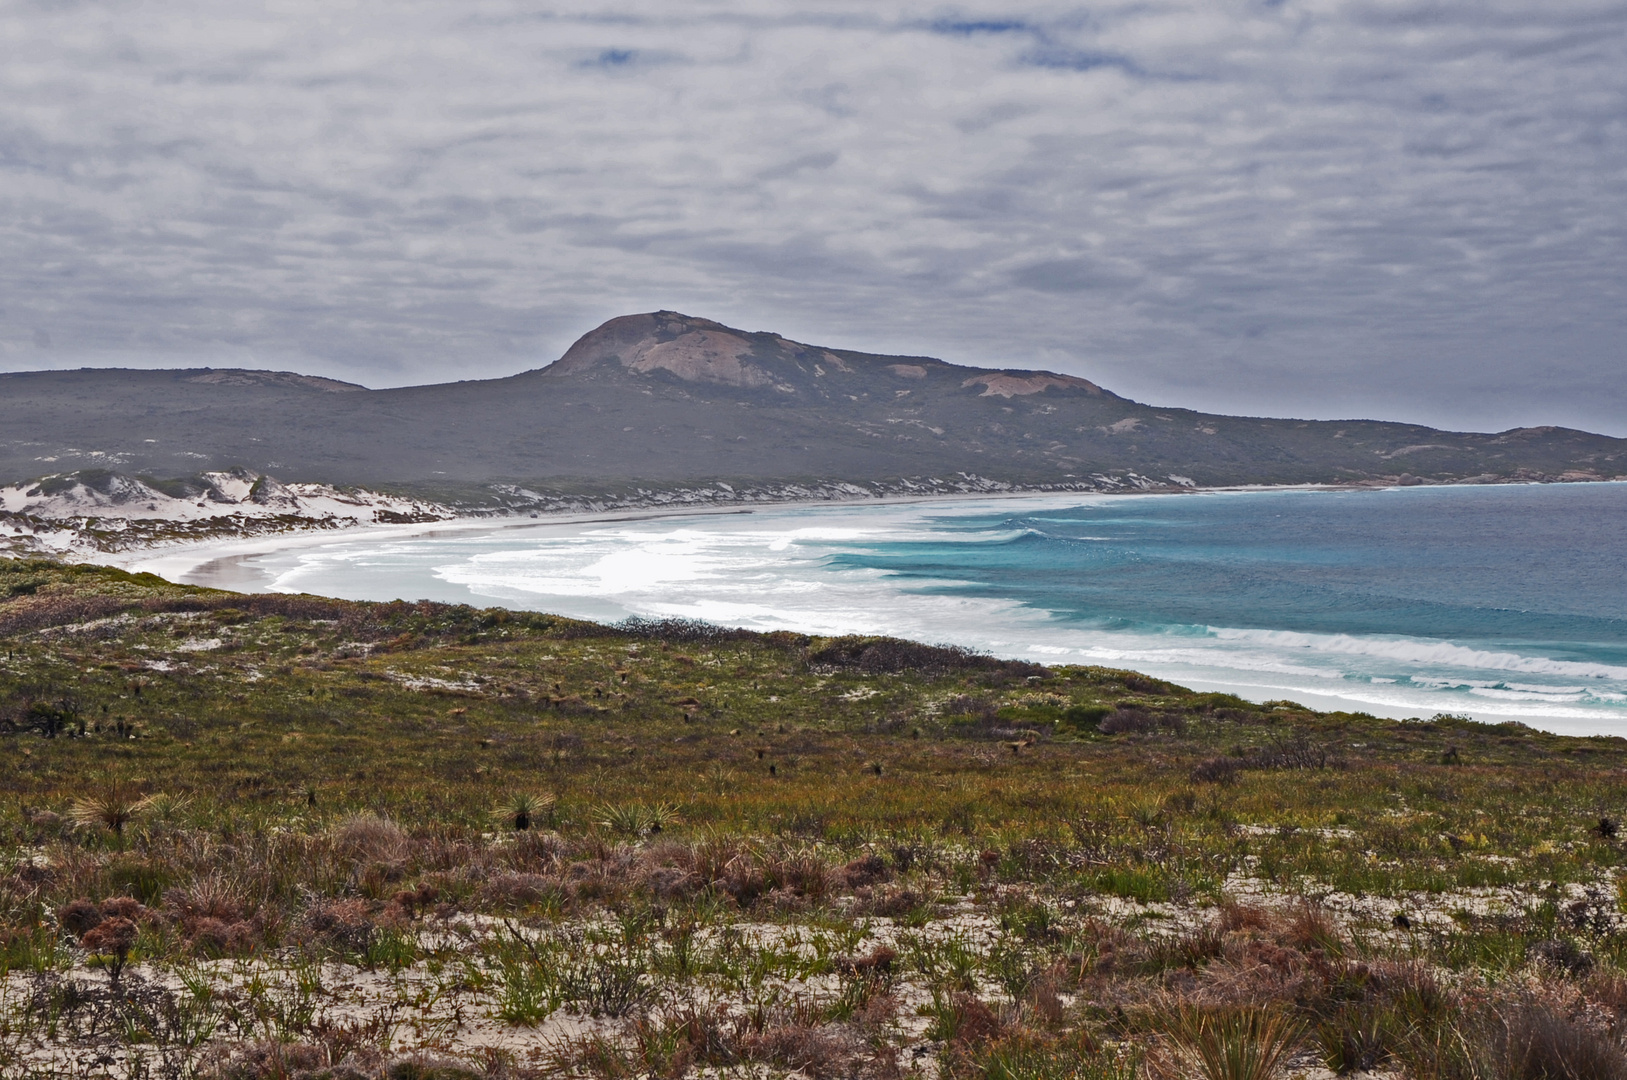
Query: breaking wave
[(1426, 654)]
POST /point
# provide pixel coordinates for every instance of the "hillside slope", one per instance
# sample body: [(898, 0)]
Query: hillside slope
[(666, 399)]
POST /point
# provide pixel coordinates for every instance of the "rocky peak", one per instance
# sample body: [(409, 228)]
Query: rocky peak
[(701, 351)]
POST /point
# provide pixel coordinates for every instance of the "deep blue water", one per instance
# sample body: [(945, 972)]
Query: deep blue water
[(1531, 565)]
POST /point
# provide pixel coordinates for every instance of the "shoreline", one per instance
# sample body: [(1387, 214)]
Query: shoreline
[(178, 559), (185, 561), (188, 561)]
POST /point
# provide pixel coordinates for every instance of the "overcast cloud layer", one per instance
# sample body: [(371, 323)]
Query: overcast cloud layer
[(1378, 207)]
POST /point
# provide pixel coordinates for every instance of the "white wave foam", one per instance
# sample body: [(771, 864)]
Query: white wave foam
[(1422, 652), (1533, 688), (1522, 695)]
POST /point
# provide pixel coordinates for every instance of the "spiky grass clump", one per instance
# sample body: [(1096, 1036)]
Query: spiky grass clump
[(1031, 1057), (636, 819), (112, 810), (166, 808), (1231, 1044), (522, 809)]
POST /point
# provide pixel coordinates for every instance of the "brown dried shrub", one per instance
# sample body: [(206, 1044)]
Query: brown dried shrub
[(972, 1023), (704, 1036), (114, 935), (1131, 718), (210, 914), (1310, 929), (866, 870), (335, 1060), (209, 897), (672, 882), (743, 880), (79, 917), (803, 874), (209, 936), (1562, 956), (892, 903), (877, 655), (412, 901), (111, 937), (264, 1061), (535, 851), (516, 890), (713, 857), (1253, 972), (821, 1053), (878, 1011), (1216, 770), (346, 925), (124, 907), (370, 838), (1607, 988), (1117, 951), (1042, 998), (878, 963), (1529, 1038), (1235, 916), (1197, 946), (213, 937)]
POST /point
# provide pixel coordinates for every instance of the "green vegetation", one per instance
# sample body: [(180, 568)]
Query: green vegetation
[(285, 836)]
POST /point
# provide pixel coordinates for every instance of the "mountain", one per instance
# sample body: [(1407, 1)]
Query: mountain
[(662, 400)]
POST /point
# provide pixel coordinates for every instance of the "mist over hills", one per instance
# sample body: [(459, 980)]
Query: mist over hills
[(663, 399)]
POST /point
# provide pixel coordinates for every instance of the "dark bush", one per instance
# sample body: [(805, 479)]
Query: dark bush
[(1531, 1040), (866, 870), (1124, 721), (1133, 719), (1217, 770), (1297, 752), (979, 708), (1562, 954), (1085, 717), (79, 917), (884, 655)]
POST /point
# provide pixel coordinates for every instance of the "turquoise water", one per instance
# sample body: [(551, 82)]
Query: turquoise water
[(1500, 602)]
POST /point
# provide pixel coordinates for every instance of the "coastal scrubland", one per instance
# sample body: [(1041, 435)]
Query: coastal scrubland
[(247, 836)]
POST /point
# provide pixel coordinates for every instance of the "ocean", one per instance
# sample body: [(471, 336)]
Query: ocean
[(1501, 603)]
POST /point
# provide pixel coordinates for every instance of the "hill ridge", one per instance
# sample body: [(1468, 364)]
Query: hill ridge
[(665, 401)]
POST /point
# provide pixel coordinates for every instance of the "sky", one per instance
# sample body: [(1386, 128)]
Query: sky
[(1400, 209)]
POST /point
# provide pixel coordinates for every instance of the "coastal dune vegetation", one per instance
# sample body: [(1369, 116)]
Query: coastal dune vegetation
[(253, 836)]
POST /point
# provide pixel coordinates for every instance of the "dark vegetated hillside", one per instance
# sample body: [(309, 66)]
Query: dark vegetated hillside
[(664, 399)]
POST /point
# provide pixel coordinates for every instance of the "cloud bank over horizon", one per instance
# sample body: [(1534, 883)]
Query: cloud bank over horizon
[(1407, 209)]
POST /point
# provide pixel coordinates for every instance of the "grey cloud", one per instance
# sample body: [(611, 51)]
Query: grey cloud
[(1069, 276), (1410, 210), (822, 160)]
